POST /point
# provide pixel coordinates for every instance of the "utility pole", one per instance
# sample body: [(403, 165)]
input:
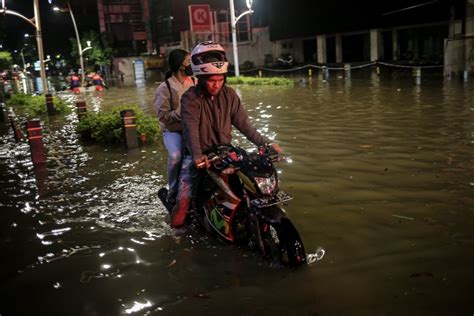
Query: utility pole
[(79, 46), (233, 22), (36, 22), (78, 39), (39, 41)]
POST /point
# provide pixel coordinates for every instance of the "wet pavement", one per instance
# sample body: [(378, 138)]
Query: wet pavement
[(381, 171)]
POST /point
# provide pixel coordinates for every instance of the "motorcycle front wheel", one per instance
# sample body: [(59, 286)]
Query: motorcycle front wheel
[(282, 242)]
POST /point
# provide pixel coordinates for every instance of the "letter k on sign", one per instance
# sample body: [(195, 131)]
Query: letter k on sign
[(200, 18)]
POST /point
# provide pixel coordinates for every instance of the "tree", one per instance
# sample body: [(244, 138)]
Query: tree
[(101, 52), (5, 60)]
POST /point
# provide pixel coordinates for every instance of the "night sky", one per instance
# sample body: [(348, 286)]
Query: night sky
[(57, 28), (304, 18), (295, 18), (329, 17)]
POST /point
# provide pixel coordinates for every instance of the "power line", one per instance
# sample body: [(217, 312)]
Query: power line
[(411, 7)]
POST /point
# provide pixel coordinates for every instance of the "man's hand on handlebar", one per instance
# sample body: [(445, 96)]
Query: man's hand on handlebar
[(276, 148), (202, 162), (271, 149)]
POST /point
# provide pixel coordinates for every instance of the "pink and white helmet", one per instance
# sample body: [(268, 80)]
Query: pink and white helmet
[(208, 58)]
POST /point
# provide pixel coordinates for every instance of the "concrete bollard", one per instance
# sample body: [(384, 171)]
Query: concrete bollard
[(417, 72), (41, 177), (129, 128), (50, 104), (447, 72), (143, 139), (260, 73), (310, 72), (16, 85), (325, 73), (417, 75), (35, 138), (2, 91), (347, 70), (2, 112), (466, 75), (81, 109), (17, 134)]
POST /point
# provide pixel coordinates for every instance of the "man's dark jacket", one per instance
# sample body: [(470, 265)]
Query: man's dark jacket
[(207, 120)]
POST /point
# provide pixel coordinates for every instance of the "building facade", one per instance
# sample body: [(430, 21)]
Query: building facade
[(404, 31), (128, 24)]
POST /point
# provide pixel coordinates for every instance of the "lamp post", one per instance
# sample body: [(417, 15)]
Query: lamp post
[(36, 22), (79, 46), (22, 57), (233, 22), (88, 46)]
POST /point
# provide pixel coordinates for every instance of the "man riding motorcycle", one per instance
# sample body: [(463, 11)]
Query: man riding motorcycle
[(208, 112)]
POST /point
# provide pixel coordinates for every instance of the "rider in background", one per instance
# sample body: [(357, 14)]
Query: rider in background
[(74, 82), (88, 79), (98, 81), (167, 103), (208, 112)]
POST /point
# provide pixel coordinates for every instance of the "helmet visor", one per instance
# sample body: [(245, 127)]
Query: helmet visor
[(208, 57)]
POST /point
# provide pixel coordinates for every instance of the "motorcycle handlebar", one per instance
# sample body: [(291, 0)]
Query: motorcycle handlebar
[(209, 159), (266, 150)]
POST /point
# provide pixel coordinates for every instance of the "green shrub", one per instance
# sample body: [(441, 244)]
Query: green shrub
[(34, 105), (275, 81), (106, 127)]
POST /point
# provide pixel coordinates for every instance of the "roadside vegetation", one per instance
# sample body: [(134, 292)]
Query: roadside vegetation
[(106, 127), (101, 50), (274, 81), (5, 60), (35, 105)]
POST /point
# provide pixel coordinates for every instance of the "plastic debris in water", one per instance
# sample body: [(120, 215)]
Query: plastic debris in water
[(318, 255)]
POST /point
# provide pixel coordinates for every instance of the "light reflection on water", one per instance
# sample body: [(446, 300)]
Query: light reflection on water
[(382, 177)]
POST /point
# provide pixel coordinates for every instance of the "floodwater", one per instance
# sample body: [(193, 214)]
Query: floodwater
[(381, 170)]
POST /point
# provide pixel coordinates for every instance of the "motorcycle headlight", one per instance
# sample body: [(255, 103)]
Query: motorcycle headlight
[(266, 185)]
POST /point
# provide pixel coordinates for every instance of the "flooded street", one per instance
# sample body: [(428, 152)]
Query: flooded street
[(382, 175)]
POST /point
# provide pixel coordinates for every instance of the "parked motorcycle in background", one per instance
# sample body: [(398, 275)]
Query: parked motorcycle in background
[(285, 61)]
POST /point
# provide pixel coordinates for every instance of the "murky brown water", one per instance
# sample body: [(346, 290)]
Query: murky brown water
[(382, 174)]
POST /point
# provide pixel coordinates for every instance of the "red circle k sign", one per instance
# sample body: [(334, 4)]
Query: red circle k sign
[(200, 18)]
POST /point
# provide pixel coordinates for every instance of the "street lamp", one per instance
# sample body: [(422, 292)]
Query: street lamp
[(88, 46), (79, 46), (22, 57), (36, 22), (233, 22)]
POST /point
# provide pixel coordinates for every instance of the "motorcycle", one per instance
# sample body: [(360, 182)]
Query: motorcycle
[(285, 62), (239, 199)]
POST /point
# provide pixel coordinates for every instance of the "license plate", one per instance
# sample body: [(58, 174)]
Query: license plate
[(278, 198)]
